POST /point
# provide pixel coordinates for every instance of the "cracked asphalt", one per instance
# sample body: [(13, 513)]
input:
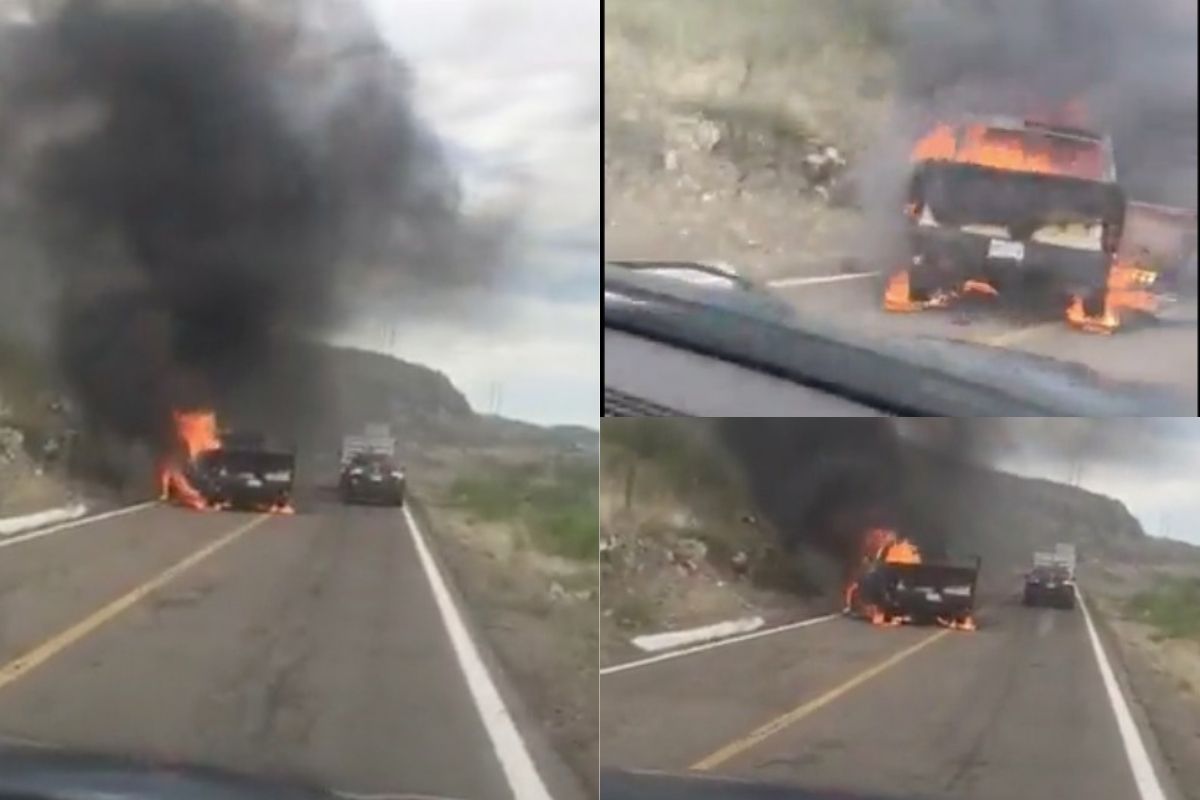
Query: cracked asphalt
[(306, 647), (1015, 709)]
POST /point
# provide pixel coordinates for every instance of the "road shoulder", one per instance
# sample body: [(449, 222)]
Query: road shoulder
[(1168, 719), (516, 647)]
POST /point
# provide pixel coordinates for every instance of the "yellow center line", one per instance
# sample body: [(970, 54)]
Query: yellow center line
[(783, 721), (23, 664)]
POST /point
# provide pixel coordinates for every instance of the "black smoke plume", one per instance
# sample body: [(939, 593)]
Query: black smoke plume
[(823, 483), (211, 184)]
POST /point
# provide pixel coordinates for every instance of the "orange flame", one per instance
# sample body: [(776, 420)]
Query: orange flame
[(1017, 151), (902, 551), (196, 433), (980, 287), (898, 294), (964, 624), (879, 544), (1126, 291)]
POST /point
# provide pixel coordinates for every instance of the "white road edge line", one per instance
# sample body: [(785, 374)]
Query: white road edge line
[(514, 758), (1135, 749), (75, 523), (687, 651), (783, 283)]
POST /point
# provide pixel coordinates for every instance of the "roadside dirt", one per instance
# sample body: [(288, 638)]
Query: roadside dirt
[(669, 581), (1164, 674), (25, 488), (717, 134), (681, 552), (537, 611)]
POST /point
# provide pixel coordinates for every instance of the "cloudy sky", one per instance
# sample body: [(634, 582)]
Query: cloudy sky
[(1153, 466), (512, 88)]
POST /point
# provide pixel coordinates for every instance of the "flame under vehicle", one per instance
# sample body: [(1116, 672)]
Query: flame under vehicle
[(893, 585), (1051, 582), (1000, 203)]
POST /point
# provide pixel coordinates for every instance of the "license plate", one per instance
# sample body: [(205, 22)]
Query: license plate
[(376, 478), (1002, 248)]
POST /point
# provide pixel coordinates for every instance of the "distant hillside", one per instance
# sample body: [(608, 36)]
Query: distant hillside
[(1004, 517), (309, 396), (511, 431), (664, 480), (318, 393), (373, 386)]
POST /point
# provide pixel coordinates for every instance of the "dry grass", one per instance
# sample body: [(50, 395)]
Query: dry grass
[(805, 68)]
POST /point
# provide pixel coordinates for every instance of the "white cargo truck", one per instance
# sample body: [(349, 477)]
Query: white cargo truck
[(376, 439)]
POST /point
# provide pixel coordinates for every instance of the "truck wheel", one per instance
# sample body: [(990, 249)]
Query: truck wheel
[(1093, 303), (924, 282)]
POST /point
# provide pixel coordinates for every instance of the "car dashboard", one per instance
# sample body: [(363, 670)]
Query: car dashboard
[(643, 377)]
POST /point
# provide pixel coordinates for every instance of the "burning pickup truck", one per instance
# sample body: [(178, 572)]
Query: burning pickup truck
[(998, 203), (226, 471), (893, 585)]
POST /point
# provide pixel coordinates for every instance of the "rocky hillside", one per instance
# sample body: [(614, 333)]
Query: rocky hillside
[(309, 396), (729, 127), (1004, 518)]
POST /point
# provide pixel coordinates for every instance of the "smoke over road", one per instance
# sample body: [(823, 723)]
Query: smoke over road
[(212, 183), (823, 483)]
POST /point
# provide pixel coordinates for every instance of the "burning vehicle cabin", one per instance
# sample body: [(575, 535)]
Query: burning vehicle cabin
[(893, 585), (1002, 203), (226, 471)]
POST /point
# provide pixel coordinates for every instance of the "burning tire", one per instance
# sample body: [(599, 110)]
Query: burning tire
[(928, 282), (1093, 303)]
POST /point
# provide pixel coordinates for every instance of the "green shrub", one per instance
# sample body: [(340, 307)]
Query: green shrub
[(1172, 607), (555, 504)]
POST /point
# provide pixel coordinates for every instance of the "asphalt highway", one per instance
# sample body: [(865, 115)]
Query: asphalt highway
[(854, 300), (1018, 708), (308, 647)]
